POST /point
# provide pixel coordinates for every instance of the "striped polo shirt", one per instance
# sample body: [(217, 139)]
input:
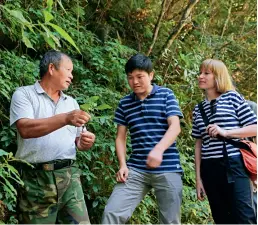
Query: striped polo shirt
[(232, 112), (147, 123)]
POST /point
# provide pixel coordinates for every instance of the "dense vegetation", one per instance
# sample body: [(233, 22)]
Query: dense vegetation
[(100, 36)]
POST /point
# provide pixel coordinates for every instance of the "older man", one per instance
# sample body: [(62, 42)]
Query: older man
[(48, 126)]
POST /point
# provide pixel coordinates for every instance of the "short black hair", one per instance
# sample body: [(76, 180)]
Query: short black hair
[(51, 56), (140, 62)]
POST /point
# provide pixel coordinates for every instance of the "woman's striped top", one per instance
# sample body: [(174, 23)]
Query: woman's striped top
[(230, 111)]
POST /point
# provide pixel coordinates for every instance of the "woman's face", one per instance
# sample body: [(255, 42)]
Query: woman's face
[(206, 79)]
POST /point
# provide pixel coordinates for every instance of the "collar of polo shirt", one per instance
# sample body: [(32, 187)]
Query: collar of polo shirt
[(40, 90), (153, 91)]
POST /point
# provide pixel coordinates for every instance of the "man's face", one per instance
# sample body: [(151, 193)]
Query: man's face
[(140, 82), (62, 77)]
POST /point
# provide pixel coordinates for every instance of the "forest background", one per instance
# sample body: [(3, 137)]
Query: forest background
[(100, 36)]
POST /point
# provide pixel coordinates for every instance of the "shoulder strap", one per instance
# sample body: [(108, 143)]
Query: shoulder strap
[(230, 177), (238, 144), (204, 116)]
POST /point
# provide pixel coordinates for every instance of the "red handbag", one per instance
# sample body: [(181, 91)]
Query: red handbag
[(250, 158)]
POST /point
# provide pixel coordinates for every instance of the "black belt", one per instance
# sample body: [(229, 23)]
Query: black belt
[(53, 165)]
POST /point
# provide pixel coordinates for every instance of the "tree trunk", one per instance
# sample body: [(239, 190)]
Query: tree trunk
[(157, 26), (179, 27)]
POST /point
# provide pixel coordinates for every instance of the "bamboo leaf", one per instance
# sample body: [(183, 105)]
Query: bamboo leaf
[(64, 35), (27, 42), (9, 187), (49, 5), (18, 15), (61, 5), (49, 34), (30, 27), (50, 41), (48, 16)]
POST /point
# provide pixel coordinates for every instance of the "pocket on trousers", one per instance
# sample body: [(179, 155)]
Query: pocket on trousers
[(37, 195), (76, 185), (30, 191)]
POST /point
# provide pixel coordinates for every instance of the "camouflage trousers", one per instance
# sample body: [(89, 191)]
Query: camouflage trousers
[(50, 197)]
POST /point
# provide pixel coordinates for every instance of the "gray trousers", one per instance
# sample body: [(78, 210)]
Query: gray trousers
[(126, 196)]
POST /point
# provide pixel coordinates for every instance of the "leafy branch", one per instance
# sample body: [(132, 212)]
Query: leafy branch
[(16, 16)]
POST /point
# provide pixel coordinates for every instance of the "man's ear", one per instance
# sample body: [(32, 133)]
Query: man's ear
[(51, 68), (151, 75)]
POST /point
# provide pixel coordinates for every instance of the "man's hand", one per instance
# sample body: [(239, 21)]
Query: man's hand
[(154, 158), (122, 174), (77, 118), (86, 140)]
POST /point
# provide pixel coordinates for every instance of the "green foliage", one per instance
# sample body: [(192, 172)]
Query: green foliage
[(147, 211), (15, 71), (7, 135), (9, 179), (194, 212), (100, 36), (25, 28)]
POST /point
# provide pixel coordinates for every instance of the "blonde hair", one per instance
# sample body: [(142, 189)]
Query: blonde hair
[(220, 71)]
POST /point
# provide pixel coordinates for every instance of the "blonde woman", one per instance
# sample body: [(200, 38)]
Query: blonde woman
[(221, 175)]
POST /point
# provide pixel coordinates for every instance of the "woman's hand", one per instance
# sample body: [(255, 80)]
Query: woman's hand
[(200, 190), (214, 130)]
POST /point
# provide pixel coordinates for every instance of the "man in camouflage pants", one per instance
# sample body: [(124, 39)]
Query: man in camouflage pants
[(49, 127)]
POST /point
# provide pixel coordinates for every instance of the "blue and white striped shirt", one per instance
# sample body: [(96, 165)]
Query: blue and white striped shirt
[(147, 123), (232, 112)]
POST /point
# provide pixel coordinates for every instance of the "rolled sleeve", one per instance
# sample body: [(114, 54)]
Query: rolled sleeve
[(245, 115), (21, 106), (195, 129), (119, 116), (172, 107)]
